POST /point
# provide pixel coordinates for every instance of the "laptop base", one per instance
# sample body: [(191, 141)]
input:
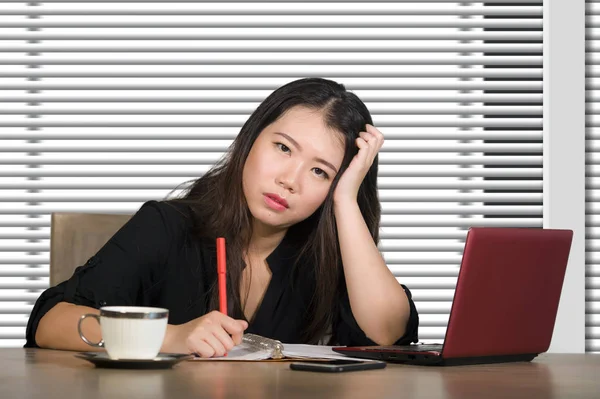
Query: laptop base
[(432, 359)]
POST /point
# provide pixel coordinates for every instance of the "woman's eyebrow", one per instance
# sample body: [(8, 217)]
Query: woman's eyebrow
[(299, 147)]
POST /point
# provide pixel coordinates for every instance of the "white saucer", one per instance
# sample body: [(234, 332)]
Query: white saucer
[(161, 361)]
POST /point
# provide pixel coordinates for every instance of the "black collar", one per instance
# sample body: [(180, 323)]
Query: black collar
[(281, 259)]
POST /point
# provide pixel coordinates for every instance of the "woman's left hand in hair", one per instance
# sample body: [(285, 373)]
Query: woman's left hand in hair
[(368, 144)]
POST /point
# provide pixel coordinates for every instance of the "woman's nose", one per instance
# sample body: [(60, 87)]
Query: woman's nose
[(289, 177)]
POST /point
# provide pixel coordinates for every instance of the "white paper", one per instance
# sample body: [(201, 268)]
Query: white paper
[(245, 352), (314, 352)]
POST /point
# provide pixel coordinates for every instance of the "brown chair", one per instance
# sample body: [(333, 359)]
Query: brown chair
[(75, 237)]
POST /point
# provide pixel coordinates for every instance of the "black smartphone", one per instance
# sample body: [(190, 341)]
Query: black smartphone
[(338, 365)]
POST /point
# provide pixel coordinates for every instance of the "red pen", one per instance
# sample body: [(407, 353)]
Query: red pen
[(222, 275)]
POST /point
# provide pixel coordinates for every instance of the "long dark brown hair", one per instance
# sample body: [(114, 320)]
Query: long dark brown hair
[(220, 210)]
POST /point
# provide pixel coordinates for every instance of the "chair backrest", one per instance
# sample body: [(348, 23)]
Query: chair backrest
[(75, 237)]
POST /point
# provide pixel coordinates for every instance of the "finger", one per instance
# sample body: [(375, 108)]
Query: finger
[(361, 142), (203, 349), (233, 326), (366, 136), (215, 343), (374, 142), (224, 338), (374, 131), (237, 338), (370, 151), (363, 152), (374, 145), (230, 324), (362, 145)]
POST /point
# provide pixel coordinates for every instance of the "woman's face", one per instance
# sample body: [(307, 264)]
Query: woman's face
[(290, 168)]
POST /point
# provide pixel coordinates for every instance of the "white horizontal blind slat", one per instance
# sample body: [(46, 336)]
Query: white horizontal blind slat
[(244, 108), (106, 104), (230, 133), (169, 96), (258, 33), (260, 46), (165, 184), (264, 1), (193, 171), (220, 147), (592, 321), (229, 83), (389, 222), (384, 196), (163, 9)]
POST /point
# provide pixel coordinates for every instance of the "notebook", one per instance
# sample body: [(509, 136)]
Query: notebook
[(505, 303), (257, 348)]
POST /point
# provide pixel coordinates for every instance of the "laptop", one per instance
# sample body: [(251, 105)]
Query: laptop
[(505, 302)]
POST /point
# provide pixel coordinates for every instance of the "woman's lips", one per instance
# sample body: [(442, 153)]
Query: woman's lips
[(275, 202)]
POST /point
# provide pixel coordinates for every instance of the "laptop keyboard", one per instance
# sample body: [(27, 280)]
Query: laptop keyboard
[(413, 348)]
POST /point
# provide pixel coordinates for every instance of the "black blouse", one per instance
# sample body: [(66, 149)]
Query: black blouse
[(154, 260)]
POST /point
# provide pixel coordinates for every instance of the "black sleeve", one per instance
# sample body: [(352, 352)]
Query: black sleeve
[(130, 261), (348, 333)]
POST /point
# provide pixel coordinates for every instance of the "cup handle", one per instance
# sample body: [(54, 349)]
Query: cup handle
[(97, 317)]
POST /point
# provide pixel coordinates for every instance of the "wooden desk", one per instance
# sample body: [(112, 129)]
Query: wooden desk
[(37, 373)]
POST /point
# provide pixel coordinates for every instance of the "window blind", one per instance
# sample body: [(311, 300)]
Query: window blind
[(107, 104), (592, 248)]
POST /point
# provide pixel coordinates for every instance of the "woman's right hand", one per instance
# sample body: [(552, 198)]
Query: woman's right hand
[(213, 334)]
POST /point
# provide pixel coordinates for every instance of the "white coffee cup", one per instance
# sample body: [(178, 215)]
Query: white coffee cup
[(129, 332)]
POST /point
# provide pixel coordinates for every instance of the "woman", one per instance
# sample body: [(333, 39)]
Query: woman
[(296, 199)]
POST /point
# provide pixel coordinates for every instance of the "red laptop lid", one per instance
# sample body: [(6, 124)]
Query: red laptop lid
[(507, 292)]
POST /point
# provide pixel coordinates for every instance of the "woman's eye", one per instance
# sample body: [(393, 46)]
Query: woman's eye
[(321, 173), (283, 147)]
